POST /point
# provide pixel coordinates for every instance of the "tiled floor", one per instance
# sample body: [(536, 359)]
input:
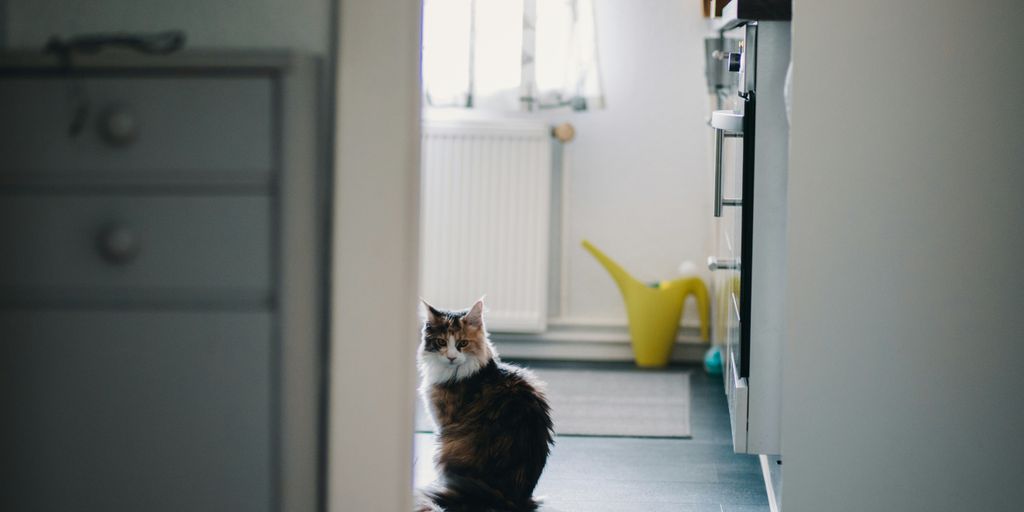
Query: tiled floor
[(599, 474)]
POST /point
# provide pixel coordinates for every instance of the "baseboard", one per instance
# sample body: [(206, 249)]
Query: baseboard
[(772, 472), (591, 343)]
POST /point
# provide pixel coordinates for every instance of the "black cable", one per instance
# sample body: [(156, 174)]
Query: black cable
[(160, 43)]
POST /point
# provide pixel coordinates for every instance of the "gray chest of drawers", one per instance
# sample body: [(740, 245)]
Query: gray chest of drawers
[(160, 282)]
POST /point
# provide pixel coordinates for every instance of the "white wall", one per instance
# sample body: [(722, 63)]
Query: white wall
[(641, 183), (902, 371), (296, 24)]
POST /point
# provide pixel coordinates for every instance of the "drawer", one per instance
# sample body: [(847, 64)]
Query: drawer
[(136, 129), (189, 250), (136, 411)]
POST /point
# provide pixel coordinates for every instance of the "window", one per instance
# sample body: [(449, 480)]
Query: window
[(510, 54)]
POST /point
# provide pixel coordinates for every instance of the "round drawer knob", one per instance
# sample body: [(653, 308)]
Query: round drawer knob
[(118, 244), (119, 125)]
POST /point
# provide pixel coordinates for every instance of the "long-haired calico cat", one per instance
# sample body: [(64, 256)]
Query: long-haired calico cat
[(494, 427)]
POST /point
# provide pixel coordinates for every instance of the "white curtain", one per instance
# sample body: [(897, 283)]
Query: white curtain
[(510, 54)]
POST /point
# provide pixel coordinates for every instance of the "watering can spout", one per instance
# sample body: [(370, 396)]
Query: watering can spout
[(619, 274), (654, 311)]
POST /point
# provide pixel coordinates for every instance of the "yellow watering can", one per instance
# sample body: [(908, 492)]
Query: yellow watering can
[(654, 311)]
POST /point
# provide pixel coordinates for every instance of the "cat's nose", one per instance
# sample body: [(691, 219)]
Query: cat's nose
[(451, 359)]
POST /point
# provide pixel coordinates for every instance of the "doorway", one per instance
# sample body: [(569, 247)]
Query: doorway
[(614, 181)]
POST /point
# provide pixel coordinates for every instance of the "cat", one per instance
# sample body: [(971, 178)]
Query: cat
[(494, 427)]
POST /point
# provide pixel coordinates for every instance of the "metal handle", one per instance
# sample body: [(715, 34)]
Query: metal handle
[(719, 201), (119, 126), (719, 134), (717, 264), (118, 244)]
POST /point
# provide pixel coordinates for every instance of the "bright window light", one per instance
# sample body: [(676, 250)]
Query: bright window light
[(446, 50), (499, 46), (509, 55)]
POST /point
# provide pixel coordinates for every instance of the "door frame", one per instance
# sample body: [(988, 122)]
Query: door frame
[(374, 255)]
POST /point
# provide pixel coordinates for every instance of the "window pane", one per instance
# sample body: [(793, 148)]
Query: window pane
[(446, 50), (499, 44), (554, 39)]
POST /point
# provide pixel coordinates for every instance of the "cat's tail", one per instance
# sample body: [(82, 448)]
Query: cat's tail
[(464, 494)]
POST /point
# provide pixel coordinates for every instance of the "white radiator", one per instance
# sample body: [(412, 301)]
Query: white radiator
[(485, 219)]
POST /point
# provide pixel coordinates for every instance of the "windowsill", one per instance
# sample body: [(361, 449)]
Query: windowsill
[(473, 114), (552, 116)]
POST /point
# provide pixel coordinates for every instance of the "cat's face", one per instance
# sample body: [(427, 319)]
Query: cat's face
[(454, 343)]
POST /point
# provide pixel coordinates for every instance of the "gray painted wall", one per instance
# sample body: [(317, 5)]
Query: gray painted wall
[(297, 24), (905, 246), (3, 23)]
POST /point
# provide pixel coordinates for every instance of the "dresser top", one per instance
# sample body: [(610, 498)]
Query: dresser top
[(114, 59)]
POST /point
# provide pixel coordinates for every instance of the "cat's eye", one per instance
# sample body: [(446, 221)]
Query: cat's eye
[(462, 344)]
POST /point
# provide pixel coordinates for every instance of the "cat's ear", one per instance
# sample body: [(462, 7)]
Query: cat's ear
[(429, 313), (475, 316)]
